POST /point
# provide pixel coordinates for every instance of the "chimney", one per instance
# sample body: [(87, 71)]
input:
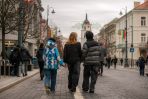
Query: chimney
[(136, 3)]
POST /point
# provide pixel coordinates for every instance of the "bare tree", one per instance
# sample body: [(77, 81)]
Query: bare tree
[(9, 19)]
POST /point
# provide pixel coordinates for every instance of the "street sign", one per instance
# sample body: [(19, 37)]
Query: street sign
[(131, 49)]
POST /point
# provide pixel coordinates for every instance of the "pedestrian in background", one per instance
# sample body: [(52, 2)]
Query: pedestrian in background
[(91, 56), (52, 61), (103, 55), (72, 57), (115, 61), (15, 59), (26, 58), (108, 60), (141, 62), (39, 56), (121, 61)]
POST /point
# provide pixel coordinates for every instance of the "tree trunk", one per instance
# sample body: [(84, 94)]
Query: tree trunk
[(3, 42), (3, 31)]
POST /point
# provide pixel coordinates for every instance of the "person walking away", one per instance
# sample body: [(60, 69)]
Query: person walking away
[(72, 57), (15, 59), (91, 57), (26, 57), (103, 55), (121, 61), (39, 56), (115, 61), (108, 60), (141, 65), (137, 62), (52, 61)]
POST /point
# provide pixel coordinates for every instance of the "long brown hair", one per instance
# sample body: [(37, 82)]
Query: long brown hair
[(72, 38)]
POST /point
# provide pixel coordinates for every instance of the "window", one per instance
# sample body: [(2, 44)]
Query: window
[(143, 21), (143, 38)]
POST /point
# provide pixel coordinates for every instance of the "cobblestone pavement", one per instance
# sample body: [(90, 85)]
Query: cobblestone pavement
[(114, 84)]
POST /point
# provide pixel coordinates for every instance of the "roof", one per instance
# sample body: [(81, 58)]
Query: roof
[(86, 20), (143, 6)]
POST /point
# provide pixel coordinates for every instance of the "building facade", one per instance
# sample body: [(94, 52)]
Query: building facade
[(137, 32), (114, 36)]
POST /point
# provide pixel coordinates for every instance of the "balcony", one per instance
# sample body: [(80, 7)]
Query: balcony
[(143, 45)]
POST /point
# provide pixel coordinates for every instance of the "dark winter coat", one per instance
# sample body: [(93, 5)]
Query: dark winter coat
[(15, 56), (108, 59), (91, 53), (103, 54), (141, 62), (115, 60), (39, 54), (25, 55), (72, 53)]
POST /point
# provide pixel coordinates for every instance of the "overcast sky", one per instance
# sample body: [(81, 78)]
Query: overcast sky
[(71, 13)]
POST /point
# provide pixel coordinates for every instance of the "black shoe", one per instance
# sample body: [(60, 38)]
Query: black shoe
[(73, 90), (91, 91), (85, 90)]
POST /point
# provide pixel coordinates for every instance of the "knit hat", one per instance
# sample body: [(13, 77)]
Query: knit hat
[(89, 35)]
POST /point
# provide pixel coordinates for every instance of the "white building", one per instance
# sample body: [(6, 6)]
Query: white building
[(137, 32), (86, 26)]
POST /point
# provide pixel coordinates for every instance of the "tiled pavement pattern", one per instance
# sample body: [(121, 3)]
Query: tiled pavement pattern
[(114, 84), (7, 81)]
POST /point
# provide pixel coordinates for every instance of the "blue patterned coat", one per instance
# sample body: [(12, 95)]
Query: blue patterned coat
[(52, 58)]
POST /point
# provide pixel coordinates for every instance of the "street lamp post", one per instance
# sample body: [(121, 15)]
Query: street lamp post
[(126, 57), (21, 23), (48, 16), (126, 42)]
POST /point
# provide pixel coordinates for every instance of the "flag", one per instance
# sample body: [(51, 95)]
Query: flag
[(123, 35)]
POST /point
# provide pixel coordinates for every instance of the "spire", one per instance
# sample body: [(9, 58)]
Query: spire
[(86, 17), (86, 20)]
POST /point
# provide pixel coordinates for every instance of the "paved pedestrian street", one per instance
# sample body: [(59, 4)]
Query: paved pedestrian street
[(114, 84)]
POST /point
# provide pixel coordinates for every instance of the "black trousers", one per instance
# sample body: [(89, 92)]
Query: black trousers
[(108, 64), (141, 70), (101, 67), (41, 66), (90, 72), (73, 77), (16, 68)]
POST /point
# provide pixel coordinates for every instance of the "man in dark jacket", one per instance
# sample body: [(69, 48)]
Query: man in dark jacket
[(108, 59), (103, 55), (141, 62), (26, 57), (15, 59), (91, 57), (39, 56)]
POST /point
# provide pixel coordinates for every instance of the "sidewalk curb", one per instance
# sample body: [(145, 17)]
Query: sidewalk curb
[(17, 82)]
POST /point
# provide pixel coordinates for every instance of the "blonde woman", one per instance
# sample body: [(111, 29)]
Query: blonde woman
[(72, 57)]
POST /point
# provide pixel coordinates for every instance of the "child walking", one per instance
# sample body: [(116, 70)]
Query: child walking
[(52, 61)]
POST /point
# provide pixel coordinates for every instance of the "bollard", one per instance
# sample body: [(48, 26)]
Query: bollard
[(4, 63), (0, 68)]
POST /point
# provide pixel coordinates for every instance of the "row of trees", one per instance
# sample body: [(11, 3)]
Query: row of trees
[(9, 19)]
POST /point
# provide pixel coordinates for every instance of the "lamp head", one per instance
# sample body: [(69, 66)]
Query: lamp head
[(53, 12), (121, 13)]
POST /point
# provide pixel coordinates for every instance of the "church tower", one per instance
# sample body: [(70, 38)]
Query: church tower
[(86, 26)]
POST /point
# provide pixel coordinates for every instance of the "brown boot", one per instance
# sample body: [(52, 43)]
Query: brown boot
[(47, 90)]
